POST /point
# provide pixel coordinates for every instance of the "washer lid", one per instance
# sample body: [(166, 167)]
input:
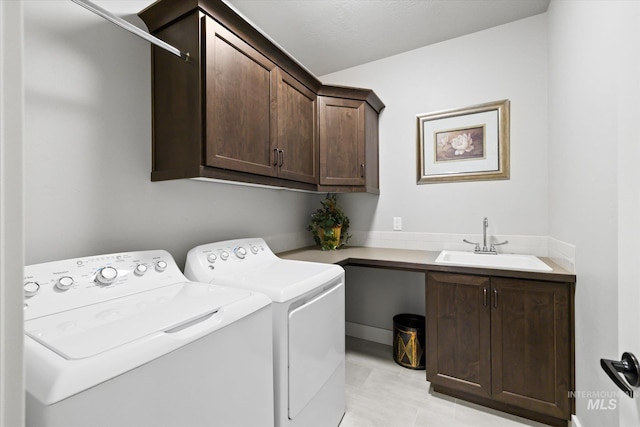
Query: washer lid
[(90, 330), (282, 279)]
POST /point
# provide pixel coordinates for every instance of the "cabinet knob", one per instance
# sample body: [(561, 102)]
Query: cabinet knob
[(362, 170)]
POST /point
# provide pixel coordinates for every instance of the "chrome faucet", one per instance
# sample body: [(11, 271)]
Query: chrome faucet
[(485, 224), (484, 249)]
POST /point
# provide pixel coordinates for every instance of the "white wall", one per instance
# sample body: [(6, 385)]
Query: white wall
[(11, 231), (628, 93), (594, 194), (88, 153), (399, 291), (504, 62)]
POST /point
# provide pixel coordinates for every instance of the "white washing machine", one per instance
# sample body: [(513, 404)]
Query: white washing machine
[(125, 340), (308, 324)]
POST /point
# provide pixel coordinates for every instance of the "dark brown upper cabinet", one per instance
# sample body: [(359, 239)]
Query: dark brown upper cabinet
[(348, 122), (240, 107), (242, 110), (259, 119), (297, 139)]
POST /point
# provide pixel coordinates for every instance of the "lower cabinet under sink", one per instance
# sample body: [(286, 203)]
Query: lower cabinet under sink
[(502, 342)]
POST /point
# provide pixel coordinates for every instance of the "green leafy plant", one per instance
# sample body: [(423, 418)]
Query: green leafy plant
[(329, 224)]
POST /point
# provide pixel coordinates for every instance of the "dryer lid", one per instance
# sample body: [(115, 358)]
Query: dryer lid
[(94, 329), (283, 279)]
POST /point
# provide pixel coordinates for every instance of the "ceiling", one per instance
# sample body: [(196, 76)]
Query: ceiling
[(331, 35)]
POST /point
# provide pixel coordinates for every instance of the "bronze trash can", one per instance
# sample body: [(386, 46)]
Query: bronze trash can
[(408, 340)]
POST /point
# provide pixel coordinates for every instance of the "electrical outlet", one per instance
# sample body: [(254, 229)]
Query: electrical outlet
[(397, 223)]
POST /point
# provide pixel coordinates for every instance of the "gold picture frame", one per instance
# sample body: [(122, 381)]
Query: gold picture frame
[(466, 144)]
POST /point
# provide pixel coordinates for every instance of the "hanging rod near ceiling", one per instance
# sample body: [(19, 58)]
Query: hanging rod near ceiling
[(131, 28)]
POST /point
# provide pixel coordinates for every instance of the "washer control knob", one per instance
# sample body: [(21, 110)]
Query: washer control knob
[(212, 258), (106, 275), (224, 255), (30, 289), (240, 252), (254, 249), (140, 269), (64, 283), (161, 266)]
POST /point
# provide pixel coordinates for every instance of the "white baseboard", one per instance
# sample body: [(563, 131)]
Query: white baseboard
[(369, 333), (575, 422)]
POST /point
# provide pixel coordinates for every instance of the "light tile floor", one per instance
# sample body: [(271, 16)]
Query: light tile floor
[(381, 393)]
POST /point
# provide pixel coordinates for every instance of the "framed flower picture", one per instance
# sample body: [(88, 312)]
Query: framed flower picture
[(467, 144)]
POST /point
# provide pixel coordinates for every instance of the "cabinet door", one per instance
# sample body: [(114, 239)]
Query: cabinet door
[(297, 147), (458, 332), (239, 85), (342, 141), (530, 347)]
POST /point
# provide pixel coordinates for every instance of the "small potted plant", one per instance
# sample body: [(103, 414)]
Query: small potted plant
[(329, 224)]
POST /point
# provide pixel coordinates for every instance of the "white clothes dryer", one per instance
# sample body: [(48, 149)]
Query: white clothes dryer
[(308, 324), (125, 340)]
